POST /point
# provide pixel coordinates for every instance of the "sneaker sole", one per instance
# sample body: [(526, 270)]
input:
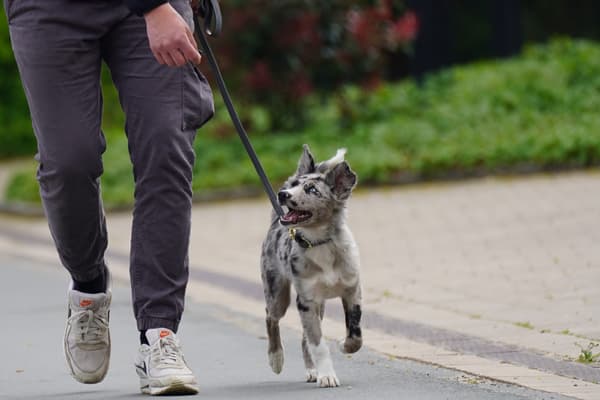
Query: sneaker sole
[(173, 387), (176, 388)]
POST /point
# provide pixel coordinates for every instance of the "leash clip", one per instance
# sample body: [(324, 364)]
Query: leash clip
[(300, 239)]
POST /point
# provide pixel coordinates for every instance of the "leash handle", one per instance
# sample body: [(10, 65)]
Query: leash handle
[(212, 18), (211, 12)]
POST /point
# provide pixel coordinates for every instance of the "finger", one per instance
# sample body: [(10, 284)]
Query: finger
[(169, 59), (159, 58), (178, 57), (190, 49), (191, 37), (191, 53)]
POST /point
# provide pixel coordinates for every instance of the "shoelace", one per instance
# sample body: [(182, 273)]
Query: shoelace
[(166, 353), (90, 327)]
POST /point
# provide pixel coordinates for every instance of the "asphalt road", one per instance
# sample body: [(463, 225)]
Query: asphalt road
[(227, 353)]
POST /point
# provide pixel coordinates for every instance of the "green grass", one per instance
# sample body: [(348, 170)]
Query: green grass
[(526, 325), (587, 356), (538, 111)]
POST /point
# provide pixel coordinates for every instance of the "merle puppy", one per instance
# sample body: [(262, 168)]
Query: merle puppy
[(311, 247)]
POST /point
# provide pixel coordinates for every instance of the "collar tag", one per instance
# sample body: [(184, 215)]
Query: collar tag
[(302, 241)]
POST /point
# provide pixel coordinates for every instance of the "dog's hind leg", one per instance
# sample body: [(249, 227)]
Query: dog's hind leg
[(317, 349), (277, 295), (352, 311)]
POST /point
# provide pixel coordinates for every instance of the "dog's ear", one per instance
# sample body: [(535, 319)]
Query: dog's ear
[(325, 166), (342, 180), (306, 165)]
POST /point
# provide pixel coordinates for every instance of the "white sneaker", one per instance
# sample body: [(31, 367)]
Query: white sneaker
[(161, 366), (87, 338)]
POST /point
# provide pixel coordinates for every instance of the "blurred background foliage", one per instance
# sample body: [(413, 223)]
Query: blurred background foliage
[(414, 88), (277, 53), (16, 135)]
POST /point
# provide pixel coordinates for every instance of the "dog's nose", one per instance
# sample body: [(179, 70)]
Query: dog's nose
[(283, 196)]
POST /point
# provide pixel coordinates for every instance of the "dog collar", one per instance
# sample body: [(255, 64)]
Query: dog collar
[(303, 241)]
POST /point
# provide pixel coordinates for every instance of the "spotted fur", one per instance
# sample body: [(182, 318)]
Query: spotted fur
[(318, 195)]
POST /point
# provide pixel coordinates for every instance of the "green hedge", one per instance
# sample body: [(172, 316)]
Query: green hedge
[(16, 136), (537, 111)]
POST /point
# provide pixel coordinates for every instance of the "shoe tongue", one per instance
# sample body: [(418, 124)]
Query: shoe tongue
[(86, 301), (153, 335)]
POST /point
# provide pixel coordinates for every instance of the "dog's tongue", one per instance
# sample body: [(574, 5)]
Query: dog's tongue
[(291, 217)]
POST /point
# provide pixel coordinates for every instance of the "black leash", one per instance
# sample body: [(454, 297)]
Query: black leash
[(210, 11)]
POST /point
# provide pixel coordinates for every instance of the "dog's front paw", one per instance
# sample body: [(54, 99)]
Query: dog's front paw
[(311, 375), (329, 380), (276, 361), (350, 345)]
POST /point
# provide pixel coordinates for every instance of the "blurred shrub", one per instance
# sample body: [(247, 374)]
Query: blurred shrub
[(278, 52), (16, 134), (274, 54), (538, 111)]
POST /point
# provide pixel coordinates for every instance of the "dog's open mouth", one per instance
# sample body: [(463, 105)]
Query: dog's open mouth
[(295, 217)]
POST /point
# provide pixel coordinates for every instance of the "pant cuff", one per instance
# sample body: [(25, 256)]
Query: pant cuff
[(152, 323), (89, 275)]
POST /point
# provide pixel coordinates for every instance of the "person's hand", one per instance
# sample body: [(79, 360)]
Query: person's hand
[(171, 40)]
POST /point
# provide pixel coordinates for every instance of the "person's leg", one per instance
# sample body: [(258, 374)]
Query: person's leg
[(164, 106), (57, 48)]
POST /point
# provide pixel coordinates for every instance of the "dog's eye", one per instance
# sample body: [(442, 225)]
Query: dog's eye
[(312, 190), (295, 183)]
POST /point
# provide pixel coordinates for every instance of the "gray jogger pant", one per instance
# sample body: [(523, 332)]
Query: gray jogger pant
[(59, 46)]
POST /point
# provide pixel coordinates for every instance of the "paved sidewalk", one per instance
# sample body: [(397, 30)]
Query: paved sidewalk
[(227, 353), (495, 276)]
